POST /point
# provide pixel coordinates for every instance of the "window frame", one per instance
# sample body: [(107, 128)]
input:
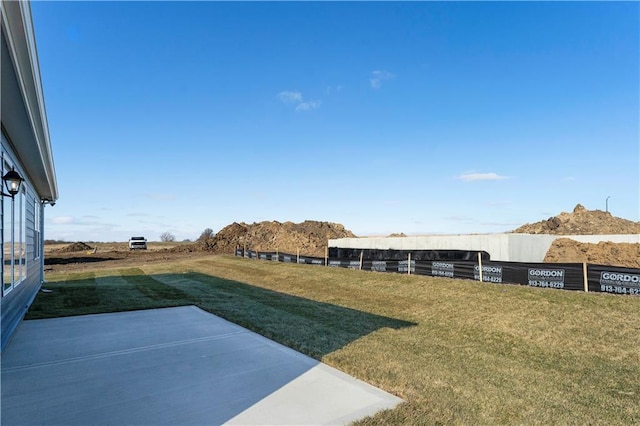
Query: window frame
[(14, 251)]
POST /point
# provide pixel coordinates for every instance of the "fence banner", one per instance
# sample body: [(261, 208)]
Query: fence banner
[(422, 268), (464, 270), (442, 269), (311, 260), (613, 279), (404, 267), (382, 265), (491, 272), (264, 256), (566, 276), (349, 264)]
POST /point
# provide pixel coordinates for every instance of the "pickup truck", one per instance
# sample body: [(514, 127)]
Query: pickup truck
[(137, 243)]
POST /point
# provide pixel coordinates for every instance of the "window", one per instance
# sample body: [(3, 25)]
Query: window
[(37, 235), (7, 242), (20, 225), (14, 246)]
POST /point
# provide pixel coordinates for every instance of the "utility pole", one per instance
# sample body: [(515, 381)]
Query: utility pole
[(607, 204)]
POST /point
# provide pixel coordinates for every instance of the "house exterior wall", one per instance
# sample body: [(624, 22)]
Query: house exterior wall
[(18, 288), (26, 148)]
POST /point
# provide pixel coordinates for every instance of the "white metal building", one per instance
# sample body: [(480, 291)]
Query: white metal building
[(503, 247)]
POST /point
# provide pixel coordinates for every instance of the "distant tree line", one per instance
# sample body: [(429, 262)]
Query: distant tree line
[(206, 235), (55, 241), (167, 237)]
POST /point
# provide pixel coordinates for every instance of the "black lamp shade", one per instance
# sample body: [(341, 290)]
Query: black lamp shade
[(12, 180)]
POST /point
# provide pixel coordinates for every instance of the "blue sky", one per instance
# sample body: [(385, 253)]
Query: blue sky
[(417, 117)]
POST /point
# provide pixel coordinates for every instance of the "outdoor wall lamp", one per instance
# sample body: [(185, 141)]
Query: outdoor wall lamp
[(12, 180)]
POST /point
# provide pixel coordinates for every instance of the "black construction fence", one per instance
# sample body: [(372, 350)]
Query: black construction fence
[(472, 266)]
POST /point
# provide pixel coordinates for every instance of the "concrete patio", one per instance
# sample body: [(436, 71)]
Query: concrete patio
[(170, 366)]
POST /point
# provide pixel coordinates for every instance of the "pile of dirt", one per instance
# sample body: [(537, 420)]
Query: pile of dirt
[(581, 222), (309, 237), (74, 247), (565, 250), (587, 222)]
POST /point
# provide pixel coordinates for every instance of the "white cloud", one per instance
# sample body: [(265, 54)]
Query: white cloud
[(307, 106), (62, 220), (470, 177), (296, 98), (290, 97), (378, 76), (86, 222)]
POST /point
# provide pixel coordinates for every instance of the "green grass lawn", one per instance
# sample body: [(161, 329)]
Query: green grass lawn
[(459, 352)]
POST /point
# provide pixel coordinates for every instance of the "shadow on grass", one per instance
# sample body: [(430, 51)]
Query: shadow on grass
[(312, 327)]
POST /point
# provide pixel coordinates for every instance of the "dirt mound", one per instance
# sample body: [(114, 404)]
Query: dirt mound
[(587, 222), (310, 237), (74, 247), (581, 222), (603, 253)]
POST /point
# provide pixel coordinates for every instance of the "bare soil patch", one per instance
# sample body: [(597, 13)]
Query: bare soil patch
[(587, 222), (107, 255), (581, 222), (73, 248), (604, 253), (309, 237)]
